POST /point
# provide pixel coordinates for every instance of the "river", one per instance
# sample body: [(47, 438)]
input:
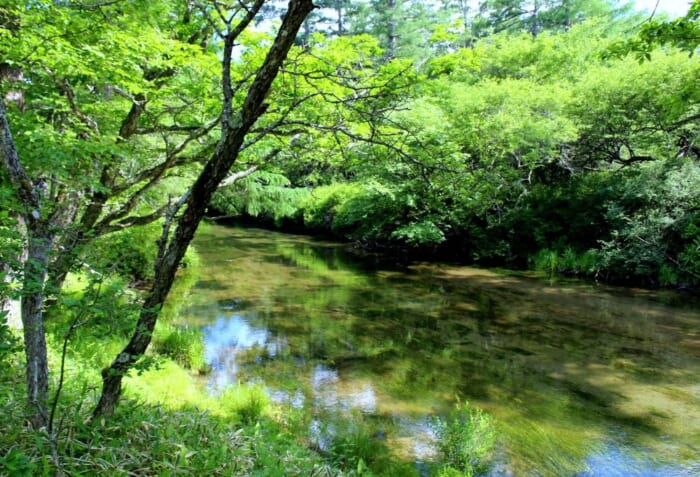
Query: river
[(582, 379)]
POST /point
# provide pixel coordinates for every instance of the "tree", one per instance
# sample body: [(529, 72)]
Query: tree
[(117, 179), (69, 182), (403, 27), (536, 16), (683, 33)]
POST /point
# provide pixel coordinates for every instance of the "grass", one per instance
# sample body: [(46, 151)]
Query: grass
[(165, 424), (183, 344)]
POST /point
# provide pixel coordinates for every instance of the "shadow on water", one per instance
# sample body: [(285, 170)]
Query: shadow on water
[(583, 380)]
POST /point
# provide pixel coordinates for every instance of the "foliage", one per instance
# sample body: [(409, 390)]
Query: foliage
[(352, 443), (682, 32), (160, 441), (653, 225), (520, 150), (497, 135), (568, 262), (130, 252), (10, 343), (465, 441), (322, 205), (262, 194)]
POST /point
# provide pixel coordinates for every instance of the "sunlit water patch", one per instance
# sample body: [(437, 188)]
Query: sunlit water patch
[(583, 380)]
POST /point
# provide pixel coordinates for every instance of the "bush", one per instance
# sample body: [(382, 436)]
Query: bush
[(568, 262), (653, 223), (689, 258), (465, 440), (9, 341), (262, 194), (352, 443)]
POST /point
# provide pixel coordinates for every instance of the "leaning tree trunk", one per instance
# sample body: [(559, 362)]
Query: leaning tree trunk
[(216, 169)]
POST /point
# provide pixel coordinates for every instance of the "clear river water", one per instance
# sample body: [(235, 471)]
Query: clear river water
[(582, 379)]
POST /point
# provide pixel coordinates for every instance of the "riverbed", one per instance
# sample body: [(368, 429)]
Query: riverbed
[(581, 379)]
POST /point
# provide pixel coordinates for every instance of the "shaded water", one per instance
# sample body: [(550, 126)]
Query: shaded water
[(582, 380)]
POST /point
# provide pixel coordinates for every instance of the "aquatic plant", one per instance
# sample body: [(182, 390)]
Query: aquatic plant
[(465, 441)]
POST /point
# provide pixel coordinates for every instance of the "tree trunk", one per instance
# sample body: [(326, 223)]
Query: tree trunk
[(34, 333), (391, 30), (213, 173), (39, 242)]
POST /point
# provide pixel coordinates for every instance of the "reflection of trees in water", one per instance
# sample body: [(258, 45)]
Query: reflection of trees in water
[(557, 361)]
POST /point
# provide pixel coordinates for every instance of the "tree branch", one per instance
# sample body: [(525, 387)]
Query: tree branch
[(233, 178)]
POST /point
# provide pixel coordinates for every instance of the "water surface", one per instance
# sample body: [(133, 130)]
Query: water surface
[(583, 380)]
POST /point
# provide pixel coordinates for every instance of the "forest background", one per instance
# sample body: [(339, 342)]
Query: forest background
[(553, 134)]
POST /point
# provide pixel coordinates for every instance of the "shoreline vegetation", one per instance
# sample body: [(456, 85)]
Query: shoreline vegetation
[(563, 263)]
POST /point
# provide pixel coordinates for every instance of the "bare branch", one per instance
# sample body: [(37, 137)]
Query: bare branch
[(211, 22), (229, 43), (153, 176), (250, 16), (274, 127), (683, 122), (172, 128), (233, 178), (132, 221), (172, 159)]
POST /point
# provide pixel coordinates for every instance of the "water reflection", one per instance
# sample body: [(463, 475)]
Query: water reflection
[(225, 339), (617, 461), (583, 380), (331, 393)]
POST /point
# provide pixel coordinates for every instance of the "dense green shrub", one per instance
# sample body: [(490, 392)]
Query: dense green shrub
[(352, 443), (653, 221), (262, 194), (568, 262), (689, 258), (9, 341), (321, 206)]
